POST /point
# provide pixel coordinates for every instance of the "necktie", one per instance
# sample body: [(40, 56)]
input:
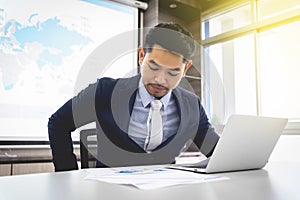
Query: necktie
[(154, 126)]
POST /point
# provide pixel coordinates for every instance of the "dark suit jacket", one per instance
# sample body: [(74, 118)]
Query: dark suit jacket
[(109, 102)]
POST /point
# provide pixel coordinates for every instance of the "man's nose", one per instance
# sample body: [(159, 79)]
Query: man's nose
[(161, 77)]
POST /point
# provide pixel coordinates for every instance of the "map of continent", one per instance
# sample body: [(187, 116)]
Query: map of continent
[(40, 46)]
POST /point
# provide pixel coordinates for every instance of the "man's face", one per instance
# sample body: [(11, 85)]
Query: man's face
[(161, 70)]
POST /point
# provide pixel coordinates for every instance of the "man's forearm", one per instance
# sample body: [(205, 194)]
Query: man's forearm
[(60, 126)]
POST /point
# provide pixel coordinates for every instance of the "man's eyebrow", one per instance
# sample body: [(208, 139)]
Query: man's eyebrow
[(175, 69), (154, 63), (157, 65)]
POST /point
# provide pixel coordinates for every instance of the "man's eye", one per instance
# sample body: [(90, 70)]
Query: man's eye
[(173, 73), (153, 68)]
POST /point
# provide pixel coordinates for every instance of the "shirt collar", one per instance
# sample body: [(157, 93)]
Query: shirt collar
[(147, 98)]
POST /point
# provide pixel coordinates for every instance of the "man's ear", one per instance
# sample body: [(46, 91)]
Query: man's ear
[(187, 66), (141, 55)]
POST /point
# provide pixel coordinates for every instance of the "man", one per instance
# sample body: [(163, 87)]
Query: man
[(120, 108)]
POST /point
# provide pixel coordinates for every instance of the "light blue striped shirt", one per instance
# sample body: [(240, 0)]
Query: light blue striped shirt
[(137, 129)]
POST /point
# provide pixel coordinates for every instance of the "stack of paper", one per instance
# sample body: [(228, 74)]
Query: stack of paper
[(149, 177)]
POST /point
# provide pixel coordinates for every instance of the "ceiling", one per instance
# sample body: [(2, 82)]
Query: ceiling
[(202, 5), (180, 9)]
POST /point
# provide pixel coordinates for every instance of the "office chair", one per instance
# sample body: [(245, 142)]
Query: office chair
[(88, 148)]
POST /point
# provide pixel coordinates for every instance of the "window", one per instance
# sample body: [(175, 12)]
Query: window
[(231, 78), (280, 71), (227, 21), (253, 68), (271, 8), (43, 46)]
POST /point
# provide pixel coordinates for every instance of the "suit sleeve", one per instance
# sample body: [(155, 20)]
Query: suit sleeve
[(76, 112), (206, 138)]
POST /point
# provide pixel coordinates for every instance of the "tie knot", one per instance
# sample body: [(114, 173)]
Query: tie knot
[(156, 104)]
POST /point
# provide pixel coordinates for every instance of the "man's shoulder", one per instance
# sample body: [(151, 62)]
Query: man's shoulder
[(185, 93), (107, 80), (113, 81), (107, 85)]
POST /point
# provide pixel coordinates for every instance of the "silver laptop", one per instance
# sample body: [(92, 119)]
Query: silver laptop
[(245, 143)]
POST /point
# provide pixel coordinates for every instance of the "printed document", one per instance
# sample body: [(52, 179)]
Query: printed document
[(148, 177)]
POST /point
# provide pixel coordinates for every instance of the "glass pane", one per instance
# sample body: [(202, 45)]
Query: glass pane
[(228, 21), (230, 84), (280, 71), (269, 8)]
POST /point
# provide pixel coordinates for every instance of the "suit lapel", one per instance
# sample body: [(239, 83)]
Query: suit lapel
[(122, 101), (181, 107), (124, 94), (189, 119)]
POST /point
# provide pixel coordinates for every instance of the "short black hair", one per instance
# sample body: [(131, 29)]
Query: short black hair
[(172, 37)]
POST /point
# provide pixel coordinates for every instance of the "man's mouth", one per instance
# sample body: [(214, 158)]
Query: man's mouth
[(157, 87)]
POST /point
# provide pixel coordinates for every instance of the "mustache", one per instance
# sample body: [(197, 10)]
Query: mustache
[(157, 85)]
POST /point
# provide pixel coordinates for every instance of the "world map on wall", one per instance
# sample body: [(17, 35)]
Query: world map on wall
[(35, 51), (44, 45)]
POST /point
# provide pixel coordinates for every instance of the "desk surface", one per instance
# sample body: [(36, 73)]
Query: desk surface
[(277, 181)]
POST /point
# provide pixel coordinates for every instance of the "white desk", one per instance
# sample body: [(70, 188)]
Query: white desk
[(277, 181)]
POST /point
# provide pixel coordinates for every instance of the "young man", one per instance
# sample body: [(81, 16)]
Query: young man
[(120, 108)]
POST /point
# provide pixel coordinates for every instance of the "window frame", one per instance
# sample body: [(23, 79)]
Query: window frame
[(257, 26)]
